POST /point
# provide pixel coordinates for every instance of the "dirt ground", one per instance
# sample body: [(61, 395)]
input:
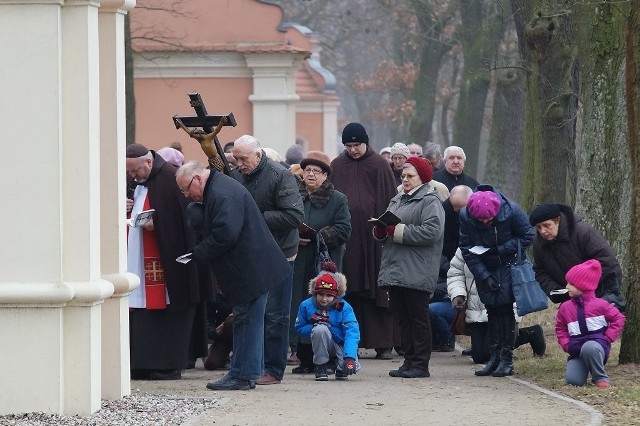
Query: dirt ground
[(451, 396)]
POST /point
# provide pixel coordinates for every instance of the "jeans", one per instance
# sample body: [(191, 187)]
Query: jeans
[(248, 335), (276, 327), (442, 316), (591, 360)]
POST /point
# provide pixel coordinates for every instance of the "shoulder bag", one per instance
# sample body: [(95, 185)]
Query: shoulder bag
[(527, 292)]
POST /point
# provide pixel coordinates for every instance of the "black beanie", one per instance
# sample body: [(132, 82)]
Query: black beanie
[(543, 212), (354, 132)]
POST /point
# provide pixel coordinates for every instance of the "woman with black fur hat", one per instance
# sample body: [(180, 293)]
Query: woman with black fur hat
[(564, 240)]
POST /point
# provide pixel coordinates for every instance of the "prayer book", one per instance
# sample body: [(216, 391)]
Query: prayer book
[(386, 219), (185, 258), (559, 291), (478, 249), (141, 218), (306, 231)]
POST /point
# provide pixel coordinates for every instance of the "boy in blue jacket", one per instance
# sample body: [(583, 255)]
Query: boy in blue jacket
[(330, 323)]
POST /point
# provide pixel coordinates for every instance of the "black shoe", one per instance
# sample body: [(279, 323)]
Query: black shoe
[(447, 348), (229, 383), (467, 352), (414, 372), (505, 368), (399, 350), (491, 365), (321, 373), (538, 344), (302, 369), (383, 353), (398, 373), (165, 375), (340, 375)]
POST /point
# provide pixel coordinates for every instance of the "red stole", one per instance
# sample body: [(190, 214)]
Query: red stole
[(154, 285)]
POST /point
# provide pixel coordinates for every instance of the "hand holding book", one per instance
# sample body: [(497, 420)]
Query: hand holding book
[(386, 219)]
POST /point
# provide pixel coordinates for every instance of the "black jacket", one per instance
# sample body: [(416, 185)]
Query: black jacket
[(454, 180), (275, 190), (236, 242), (575, 243)]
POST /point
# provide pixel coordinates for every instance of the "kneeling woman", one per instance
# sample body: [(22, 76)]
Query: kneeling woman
[(410, 262)]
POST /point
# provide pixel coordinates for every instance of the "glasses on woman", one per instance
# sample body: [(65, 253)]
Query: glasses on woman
[(313, 171), (407, 176)]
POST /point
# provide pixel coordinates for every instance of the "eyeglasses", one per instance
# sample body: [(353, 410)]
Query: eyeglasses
[(403, 176), (352, 145), (314, 171), (186, 191)]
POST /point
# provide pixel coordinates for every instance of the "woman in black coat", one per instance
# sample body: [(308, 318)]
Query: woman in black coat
[(564, 240)]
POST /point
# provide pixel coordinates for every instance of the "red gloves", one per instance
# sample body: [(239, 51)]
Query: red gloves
[(350, 366), (381, 232)]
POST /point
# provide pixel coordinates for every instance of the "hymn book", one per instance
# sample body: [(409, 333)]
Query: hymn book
[(139, 219), (386, 219)]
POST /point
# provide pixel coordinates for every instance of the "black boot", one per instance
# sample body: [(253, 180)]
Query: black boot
[(507, 338), (493, 328), (535, 337), (505, 368)]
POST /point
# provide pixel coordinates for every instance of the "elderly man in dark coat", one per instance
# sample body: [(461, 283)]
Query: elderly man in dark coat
[(164, 308), (237, 244), (564, 240), (366, 179)]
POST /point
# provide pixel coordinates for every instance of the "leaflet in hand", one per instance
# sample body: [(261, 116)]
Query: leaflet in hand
[(139, 219), (386, 219), (185, 258), (478, 249), (559, 291)]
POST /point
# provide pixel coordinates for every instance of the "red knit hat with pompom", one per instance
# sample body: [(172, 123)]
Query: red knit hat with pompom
[(326, 281)]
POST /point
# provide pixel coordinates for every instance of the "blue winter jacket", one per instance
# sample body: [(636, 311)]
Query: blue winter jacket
[(343, 325), (510, 225)]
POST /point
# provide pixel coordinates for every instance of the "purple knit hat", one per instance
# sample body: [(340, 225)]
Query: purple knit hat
[(585, 276), (483, 205)]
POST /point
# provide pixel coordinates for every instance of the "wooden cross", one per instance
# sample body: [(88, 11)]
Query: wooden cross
[(207, 137)]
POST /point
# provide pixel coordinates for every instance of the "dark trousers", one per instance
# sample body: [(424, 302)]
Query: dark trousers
[(412, 310)]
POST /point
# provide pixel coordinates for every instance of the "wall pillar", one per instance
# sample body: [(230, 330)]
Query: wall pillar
[(274, 97)]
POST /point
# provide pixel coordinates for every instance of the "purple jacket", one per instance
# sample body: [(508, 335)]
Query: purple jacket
[(603, 323)]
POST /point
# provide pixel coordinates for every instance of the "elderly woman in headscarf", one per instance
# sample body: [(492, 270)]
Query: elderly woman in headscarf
[(328, 223), (411, 252), (491, 230)]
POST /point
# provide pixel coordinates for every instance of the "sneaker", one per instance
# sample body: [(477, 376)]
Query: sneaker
[(602, 384), (321, 373), (340, 375)]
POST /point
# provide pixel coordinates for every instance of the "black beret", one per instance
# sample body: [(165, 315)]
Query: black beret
[(354, 132), (543, 212), (136, 150)]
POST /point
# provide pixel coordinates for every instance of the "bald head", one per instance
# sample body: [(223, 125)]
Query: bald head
[(459, 196)]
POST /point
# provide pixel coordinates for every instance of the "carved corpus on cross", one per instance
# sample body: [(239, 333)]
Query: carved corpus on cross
[(207, 135)]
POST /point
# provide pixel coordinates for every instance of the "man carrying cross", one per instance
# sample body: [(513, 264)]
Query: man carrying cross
[(163, 308)]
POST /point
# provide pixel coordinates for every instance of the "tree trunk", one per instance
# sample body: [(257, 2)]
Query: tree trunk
[(481, 33), (551, 100), (506, 146), (630, 347)]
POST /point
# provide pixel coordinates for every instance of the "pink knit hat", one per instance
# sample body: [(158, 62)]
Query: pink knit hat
[(585, 276), (483, 205)]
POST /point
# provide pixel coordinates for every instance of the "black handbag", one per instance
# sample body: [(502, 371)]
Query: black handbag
[(527, 292)]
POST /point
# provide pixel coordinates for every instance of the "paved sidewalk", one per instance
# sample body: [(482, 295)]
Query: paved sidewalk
[(451, 396)]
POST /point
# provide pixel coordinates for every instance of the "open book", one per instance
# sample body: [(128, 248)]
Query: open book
[(386, 219), (559, 291), (306, 231), (141, 218)]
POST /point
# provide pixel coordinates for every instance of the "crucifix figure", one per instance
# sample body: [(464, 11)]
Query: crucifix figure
[(207, 137)]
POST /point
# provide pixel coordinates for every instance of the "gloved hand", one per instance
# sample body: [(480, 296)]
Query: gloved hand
[(559, 298), (491, 283), (458, 302), (379, 232), (350, 365), (391, 230), (321, 316)]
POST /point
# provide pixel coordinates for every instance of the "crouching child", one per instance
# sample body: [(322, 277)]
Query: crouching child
[(586, 326), (330, 324)]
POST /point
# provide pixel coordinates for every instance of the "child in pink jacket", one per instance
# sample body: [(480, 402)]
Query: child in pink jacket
[(586, 326)]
